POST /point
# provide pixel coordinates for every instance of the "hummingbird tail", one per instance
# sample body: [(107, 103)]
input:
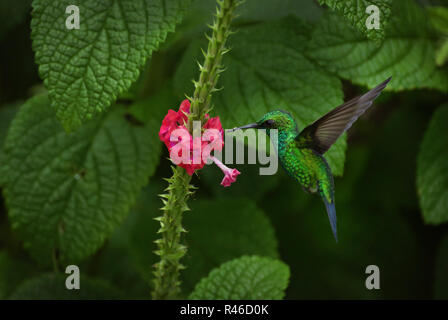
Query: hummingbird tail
[(331, 211)]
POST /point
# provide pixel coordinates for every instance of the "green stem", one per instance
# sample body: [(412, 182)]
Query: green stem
[(170, 247)]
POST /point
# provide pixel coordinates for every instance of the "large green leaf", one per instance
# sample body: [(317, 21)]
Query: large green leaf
[(85, 69), (67, 193), (355, 12), (267, 70), (52, 287), (221, 230), (432, 169), (245, 278), (407, 53)]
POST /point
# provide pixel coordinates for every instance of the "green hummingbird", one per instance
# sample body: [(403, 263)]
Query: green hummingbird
[(302, 154)]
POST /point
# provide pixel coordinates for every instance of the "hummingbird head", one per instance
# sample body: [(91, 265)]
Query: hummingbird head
[(278, 119)]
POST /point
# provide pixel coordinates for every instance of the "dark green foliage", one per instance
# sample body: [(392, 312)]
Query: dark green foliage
[(86, 69), (58, 186), (52, 287), (246, 278), (355, 12), (432, 176), (91, 197)]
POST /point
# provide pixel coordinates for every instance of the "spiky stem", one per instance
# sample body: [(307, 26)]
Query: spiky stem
[(210, 70), (170, 247)]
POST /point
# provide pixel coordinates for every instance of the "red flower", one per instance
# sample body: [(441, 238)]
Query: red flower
[(174, 120), (229, 173), (199, 149)]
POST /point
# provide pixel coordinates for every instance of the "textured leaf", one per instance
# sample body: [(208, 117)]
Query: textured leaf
[(85, 70), (67, 193), (267, 70), (407, 53), (432, 169), (221, 230), (52, 287), (245, 278), (441, 276), (355, 12)]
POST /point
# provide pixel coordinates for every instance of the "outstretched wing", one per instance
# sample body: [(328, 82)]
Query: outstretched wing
[(325, 131)]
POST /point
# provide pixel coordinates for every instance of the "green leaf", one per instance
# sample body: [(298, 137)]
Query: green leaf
[(441, 276), (117, 262), (67, 193), (221, 230), (432, 169), (262, 10), (407, 53), (438, 17), (7, 113), (245, 278), (355, 12), (442, 53), (86, 69), (52, 287), (267, 70)]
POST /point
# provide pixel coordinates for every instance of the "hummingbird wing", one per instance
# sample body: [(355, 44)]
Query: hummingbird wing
[(321, 135)]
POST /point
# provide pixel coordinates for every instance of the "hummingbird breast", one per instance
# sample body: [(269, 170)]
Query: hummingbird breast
[(300, 164)]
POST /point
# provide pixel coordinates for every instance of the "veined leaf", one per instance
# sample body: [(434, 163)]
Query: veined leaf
[(432, 169), (355, 12), (85, 69), (406, 54), (52, 287), (245, 278), (67, 193), (267, 70)]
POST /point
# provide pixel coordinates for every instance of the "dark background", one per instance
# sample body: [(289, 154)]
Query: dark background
[(379, 218)]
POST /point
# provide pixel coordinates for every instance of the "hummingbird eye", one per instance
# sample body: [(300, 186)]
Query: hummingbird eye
[(269, 123)]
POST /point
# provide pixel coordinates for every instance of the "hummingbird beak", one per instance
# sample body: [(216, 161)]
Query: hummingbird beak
[(247, 126)]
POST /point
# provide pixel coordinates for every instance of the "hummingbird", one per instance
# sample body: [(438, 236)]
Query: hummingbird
[(301, 154)]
